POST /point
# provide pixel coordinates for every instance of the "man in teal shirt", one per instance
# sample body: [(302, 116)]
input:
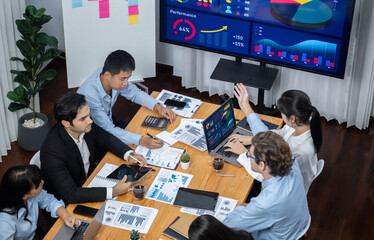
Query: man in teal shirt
[(280, 211)]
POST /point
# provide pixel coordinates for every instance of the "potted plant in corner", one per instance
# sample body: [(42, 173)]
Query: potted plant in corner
[(36, 47), (134, 235), (185, 161)]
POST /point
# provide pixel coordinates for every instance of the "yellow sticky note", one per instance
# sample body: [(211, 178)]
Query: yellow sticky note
[(133, 19)]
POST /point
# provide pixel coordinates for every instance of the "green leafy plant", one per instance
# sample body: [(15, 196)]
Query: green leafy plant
[(134, 235), (185, 158), (36, 47)]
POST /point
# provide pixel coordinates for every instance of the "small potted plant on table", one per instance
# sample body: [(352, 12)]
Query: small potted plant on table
[(185, 161), (134, 235)]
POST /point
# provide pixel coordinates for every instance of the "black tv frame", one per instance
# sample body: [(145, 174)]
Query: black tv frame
[(263, 62)]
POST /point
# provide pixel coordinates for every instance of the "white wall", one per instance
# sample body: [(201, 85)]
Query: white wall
[(55, 26), (89, 39), (141, 43)]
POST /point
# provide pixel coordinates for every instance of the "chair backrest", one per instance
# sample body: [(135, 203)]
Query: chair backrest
[(36, 159), (305, 228), (320, 165)]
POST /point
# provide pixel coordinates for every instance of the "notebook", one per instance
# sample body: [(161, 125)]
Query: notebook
[(182, 225), (101, 180), (173, 234), (218, 127), (94, 226)]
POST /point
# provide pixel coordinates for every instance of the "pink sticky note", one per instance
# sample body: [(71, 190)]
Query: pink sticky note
[(103, 8), (133, 10)]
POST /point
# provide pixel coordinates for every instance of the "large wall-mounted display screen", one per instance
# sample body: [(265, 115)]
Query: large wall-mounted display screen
[(310, 35)]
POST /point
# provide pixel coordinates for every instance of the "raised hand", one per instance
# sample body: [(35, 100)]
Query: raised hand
[(241, 93)]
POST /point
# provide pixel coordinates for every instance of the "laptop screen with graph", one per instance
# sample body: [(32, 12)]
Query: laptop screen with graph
[(219, 125)]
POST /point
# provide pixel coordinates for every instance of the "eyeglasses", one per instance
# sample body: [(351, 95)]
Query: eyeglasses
[(248, 155)]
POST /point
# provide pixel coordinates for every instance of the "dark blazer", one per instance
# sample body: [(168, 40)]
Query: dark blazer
[(62, 166)]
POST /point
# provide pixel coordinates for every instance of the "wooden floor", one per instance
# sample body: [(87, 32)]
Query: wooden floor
[(341, 199)]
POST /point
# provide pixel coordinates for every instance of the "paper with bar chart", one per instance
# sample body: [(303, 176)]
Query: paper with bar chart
[(191, 132), (129, 216), (166, 185)]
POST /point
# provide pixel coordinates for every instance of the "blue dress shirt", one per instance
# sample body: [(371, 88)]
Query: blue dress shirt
[(256, 124), (15, 227), (101, 105), (280, 211)]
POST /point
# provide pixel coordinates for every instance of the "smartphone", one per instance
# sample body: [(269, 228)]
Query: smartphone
[(174, 103), (85, 211)]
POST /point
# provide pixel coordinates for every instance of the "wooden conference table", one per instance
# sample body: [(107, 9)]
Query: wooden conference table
[(204, 178)]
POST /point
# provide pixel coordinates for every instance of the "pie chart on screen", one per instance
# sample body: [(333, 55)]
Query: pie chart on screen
[(226, 116), (308, 14)]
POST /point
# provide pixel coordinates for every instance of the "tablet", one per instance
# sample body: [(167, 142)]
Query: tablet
[(193, 198), (134, 173)]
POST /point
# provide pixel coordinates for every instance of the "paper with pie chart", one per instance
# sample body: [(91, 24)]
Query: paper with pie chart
[(223, 208)]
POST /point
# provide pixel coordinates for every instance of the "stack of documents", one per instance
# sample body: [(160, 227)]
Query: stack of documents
[(192, 104), (191, 132)]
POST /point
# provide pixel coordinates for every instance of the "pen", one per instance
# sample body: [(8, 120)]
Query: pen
[(225, 175), (195, 108), (136, 159), (149, 135)]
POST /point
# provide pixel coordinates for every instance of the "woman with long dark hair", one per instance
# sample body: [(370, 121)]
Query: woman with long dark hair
[(302, 129), (207, 227), (21, 196)]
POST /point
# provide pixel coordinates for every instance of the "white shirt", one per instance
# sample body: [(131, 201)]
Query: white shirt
[(302, 147), (85, 154)]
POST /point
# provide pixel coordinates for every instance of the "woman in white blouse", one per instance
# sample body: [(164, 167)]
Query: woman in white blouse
[(302, 130)]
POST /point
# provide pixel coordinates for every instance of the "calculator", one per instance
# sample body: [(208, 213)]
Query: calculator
[(156, 122)]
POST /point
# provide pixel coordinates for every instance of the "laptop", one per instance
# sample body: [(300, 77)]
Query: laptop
[(218, 127), (86, 231)]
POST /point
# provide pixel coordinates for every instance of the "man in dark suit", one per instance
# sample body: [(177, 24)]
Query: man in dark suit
[(72, 149)]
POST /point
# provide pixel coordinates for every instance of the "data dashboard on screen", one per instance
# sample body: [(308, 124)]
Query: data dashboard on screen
[(310, 35)]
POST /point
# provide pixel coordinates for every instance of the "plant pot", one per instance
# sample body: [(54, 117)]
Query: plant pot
[(31, 139), (185, 165)]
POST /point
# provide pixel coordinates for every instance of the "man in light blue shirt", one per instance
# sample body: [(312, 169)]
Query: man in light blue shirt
[(280, 211), (102, 88)]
